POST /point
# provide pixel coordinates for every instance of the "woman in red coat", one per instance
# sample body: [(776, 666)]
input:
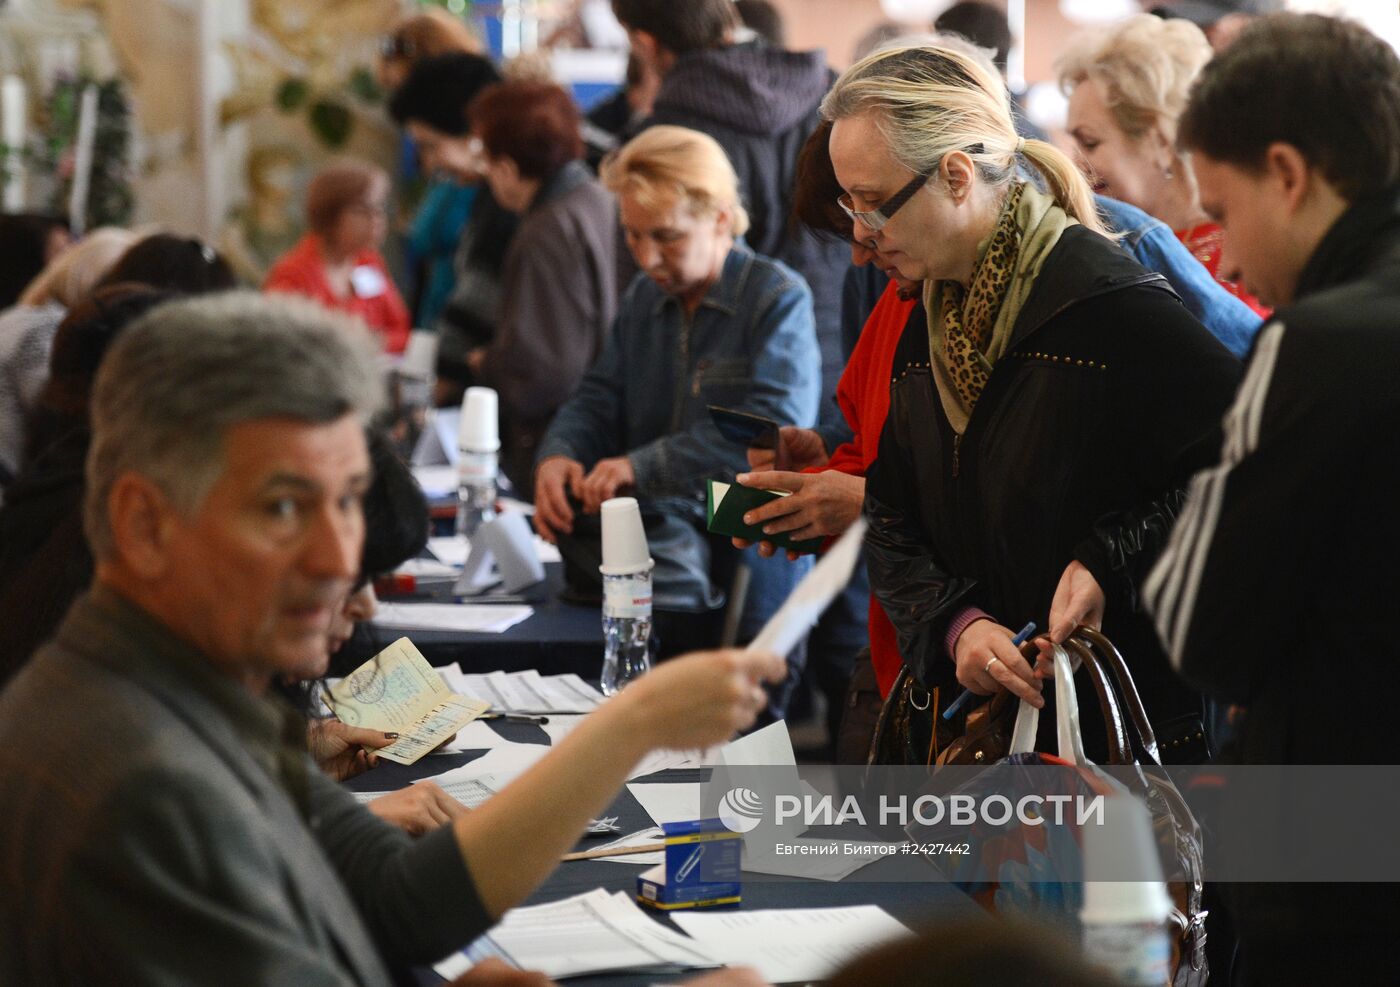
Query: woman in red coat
[(337, 262)]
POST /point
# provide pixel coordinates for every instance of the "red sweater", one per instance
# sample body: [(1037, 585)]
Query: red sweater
[(1205, 242), (864, 396), (302, 271)]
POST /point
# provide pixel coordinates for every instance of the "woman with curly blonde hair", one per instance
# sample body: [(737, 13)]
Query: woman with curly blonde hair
[(1127, 85)]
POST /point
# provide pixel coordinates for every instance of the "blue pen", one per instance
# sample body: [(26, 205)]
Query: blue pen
[(961, 701)]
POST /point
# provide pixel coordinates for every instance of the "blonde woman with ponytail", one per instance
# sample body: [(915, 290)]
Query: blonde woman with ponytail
[(1041, 420)]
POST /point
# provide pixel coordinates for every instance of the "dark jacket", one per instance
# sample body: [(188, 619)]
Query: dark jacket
[(761, 104), (1076, 450), (167, 830), (1291, 539), (558, 300), (44, 558), (469, 317)]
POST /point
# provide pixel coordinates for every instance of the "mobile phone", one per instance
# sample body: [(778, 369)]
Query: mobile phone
[(747, 429)]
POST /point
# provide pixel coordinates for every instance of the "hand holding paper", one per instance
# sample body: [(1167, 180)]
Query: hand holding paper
[(398, 691)]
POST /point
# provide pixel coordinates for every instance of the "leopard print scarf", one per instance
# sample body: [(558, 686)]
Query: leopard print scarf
[(970, 328)]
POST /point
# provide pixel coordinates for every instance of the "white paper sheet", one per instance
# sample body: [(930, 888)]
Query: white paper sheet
[(450, 549), (812, 595), (477, 736), (438, 481), (525, 692), (480, 619), (427, 569), (817, 867), (595, 932), (791, 944), (769, 747), (665, 803)]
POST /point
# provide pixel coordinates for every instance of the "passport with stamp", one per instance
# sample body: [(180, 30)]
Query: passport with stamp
[(397, 691)]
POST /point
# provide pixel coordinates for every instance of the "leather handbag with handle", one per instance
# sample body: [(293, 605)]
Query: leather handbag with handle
[(1003, 727)]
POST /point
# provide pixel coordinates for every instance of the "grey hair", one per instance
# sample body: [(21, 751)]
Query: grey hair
[(185, 372)]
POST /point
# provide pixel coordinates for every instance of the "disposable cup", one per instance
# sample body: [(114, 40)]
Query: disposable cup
[(478, 430), (1122, 871), (624, 540)]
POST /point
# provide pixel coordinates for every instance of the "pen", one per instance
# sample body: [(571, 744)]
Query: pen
[(514, 718), (961, 701)]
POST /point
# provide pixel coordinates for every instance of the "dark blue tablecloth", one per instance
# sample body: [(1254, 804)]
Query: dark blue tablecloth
[(915, 904)]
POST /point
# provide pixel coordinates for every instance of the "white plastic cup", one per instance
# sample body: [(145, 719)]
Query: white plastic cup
[(478, 431), (1122, 872), (625, 550)]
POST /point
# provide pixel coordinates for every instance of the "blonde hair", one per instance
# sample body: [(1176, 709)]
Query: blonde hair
[(673, 161), (1145, 65), (71, 276), (432, 32), (933, 99)]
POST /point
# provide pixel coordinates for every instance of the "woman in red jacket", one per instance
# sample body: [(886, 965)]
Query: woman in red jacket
[(337, 262)]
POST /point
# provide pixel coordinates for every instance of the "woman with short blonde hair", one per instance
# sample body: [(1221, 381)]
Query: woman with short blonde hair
[(427, 33), (670, 161), (707, 322), (1127, 85), (1025, 466)]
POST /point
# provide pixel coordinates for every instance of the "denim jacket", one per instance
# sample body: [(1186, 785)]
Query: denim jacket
[(1156, 248), (751, 345)]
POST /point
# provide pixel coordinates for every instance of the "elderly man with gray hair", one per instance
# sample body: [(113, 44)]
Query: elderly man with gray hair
[(162, 821)]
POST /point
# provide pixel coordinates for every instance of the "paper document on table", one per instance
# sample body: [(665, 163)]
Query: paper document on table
[(479, 619), (668, 803), (595, 932), (477, 736), (786, 628), (427, 569), (398, 691), (439, 481), (528, 692), (791, 944), (450, 549), (770, 747), (831, 865), (501, 764)]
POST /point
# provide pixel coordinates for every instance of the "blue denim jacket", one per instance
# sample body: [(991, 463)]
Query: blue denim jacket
[(751, 345), (1156, 248)]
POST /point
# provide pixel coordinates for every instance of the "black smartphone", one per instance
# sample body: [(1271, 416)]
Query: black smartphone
[(748, 430)]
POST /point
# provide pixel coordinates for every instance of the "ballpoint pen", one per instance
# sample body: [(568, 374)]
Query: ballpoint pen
[(961, 701), (514, 718)]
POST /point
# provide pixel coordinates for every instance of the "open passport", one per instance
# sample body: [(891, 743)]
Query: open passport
[(398, 691)]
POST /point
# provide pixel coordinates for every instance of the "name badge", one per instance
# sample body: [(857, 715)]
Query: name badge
[(367, 282)]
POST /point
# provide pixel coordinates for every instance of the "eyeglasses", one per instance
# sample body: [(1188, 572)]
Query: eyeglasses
[(875, 219)]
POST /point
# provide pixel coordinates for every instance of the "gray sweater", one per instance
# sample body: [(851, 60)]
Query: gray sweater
[(164, 826)]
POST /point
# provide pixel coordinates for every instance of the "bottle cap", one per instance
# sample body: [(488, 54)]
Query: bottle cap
[(625, 549), (477, 430)]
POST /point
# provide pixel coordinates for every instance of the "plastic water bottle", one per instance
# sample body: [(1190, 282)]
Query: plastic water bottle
[(626, 629), (476, 490), (626, 570), (1126, 904), (478, 442)]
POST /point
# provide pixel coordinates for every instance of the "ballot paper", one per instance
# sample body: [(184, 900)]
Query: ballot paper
[(791, 944), (526, 692), (589, 933), (786, 628), (479, 618), (669, 803), (427, 569), (471, 792), (398, 691), (477, 736)]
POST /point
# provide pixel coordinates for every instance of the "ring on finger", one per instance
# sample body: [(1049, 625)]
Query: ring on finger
[(987, 668)]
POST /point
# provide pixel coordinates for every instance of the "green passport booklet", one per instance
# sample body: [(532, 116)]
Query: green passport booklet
[(727, 503)]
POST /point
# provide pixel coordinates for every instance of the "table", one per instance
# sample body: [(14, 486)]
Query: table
[(558, 637), (914, 904)]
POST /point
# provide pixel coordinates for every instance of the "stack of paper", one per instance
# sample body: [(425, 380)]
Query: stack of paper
[(595, 932), (479, 618), (398, 691), (524, 692), (791, 944)]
